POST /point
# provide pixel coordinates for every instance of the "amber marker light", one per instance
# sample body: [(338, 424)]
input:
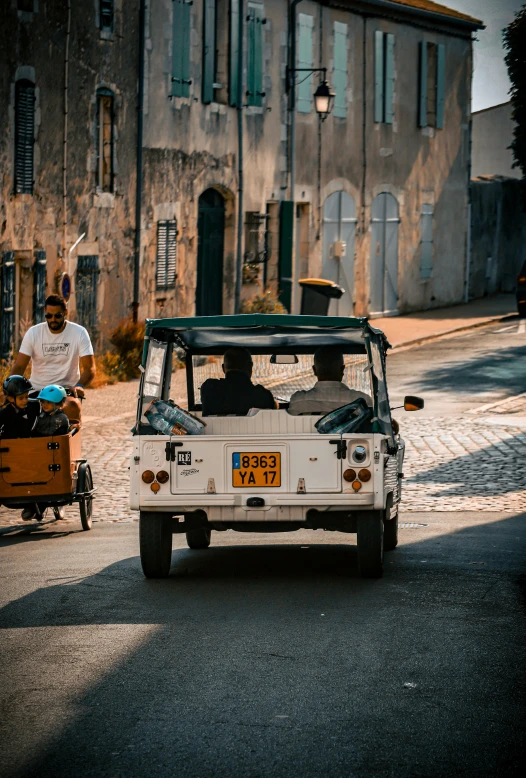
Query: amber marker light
[(148, 476), (155, 487), (364, 475), (356, 485), (162, 476), (349, 475)]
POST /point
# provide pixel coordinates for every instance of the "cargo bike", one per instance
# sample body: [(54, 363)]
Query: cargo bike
[(269, 471), (48, 473)]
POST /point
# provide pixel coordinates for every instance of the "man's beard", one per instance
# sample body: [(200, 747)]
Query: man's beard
[(55, 326)]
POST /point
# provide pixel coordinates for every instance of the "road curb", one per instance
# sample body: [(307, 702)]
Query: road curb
[(444, 333)]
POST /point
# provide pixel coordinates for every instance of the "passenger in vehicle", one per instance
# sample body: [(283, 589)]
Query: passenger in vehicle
[(329, 391), (52, 419), (18, 415), (235, 394)]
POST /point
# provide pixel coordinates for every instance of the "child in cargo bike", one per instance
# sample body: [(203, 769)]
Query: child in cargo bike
[(18, 414), (52, 419)]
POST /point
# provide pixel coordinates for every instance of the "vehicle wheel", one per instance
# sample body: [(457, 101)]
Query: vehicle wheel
[(85, 484), (391, 533), (371, 544), (198, 538), (155, 540)]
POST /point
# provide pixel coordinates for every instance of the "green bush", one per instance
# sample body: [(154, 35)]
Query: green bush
[(263, 303), (122, 363)]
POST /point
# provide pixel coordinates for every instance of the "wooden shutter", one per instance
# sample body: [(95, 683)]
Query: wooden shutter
[(39, 286), (86, 286), (181, 49), (209, 50), (340, 70), (389, 78), (378, 76), (7, 320), (440, 87), (233, 62), (106, 15), (255, 55), (426, 241), (166, 254), (422, 97), (286, 226), (24, 136), (304, 101)]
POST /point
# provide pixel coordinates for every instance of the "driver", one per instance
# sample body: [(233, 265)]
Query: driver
[(329, 392), (235, 394)]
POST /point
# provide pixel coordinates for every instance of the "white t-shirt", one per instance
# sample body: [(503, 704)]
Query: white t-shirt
[(55, 358), (324, 397)]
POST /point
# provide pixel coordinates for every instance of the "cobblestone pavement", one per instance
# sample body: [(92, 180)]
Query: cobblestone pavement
[(452, 464)]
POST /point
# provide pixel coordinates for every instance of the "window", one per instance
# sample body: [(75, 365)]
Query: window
[(426, 241), (166, 254), (24, 136), (105, 140), (39, 286), (221, 51), (209, 50), (340, 70), (304, 80), (432, 83), (86, 283), (7, 308), (383, 77), (255, 22), (233, 62), (181, 49), (106, 15)]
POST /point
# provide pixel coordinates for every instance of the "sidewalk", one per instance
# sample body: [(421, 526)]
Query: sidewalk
[(418, 327)]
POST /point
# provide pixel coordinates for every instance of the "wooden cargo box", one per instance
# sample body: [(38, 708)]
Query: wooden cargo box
[(33, 467)]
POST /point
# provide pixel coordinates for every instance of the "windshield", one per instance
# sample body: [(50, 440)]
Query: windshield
[(284, 380)]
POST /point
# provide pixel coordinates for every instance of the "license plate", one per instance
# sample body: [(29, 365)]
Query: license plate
[(256, 470)]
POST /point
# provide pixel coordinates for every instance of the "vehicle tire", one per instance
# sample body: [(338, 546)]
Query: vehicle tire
[(85, 484), (198, 538), (371, 544), (391, 533), (155, 540)]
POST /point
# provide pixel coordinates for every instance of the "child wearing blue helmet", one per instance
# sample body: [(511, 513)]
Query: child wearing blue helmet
[(52, 419)]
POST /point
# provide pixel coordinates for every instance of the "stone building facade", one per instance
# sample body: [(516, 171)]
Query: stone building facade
[(380, 194)]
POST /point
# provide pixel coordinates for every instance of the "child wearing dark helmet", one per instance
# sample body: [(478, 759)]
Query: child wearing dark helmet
[(18, 414), (52, 419)]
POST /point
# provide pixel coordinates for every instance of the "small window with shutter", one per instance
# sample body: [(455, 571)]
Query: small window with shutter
[(24, 136), (181, 49), (166, 269), (432, 85), (7, 308), (384, 43), (304, 61), (106, 14), (105, 140), (255, 22), (39, 286), (426, 241), (340, 70)]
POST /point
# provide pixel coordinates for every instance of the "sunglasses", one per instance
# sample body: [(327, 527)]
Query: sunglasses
[(54, 316)]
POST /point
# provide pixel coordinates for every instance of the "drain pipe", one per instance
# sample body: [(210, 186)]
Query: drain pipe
[(65, 143), (239, 247), (468, 229), (138, 173)]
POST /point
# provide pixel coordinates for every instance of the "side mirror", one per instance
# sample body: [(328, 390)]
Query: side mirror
[(283, 359), (412, 403)]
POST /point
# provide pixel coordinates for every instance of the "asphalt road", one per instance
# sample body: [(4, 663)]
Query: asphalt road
[(266, 655)]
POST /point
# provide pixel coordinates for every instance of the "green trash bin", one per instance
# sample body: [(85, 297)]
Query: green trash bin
[(316, 294)]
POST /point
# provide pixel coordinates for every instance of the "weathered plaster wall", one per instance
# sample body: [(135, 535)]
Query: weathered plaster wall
[(28, 222)]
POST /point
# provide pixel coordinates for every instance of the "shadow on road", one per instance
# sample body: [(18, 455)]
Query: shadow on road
[(277, 660)]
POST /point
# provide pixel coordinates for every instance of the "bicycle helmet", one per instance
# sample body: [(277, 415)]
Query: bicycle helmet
[(16, 385), (52, 393)]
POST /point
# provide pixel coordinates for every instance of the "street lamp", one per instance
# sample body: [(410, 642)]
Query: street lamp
[(323, 99)]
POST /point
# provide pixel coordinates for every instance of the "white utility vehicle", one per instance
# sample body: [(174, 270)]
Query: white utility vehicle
[(269, 471)]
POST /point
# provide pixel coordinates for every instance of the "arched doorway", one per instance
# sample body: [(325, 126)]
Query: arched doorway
[(384, 254), (339, 227), (210, 248)]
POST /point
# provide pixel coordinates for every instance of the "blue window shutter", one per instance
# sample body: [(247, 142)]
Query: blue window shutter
[(378, 76), (441, 76), (340, 70), (7, 320), (39, 286), (422, 97), (255, 55), (389, 78), (234, 53), (426, 241), (181, 49), (209, 49), (304, 98), (86, 285)]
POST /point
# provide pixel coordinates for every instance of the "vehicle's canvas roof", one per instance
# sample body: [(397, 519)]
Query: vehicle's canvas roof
[(262, 333)]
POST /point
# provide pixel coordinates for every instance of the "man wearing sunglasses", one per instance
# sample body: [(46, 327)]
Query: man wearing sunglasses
[(60, 351)]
